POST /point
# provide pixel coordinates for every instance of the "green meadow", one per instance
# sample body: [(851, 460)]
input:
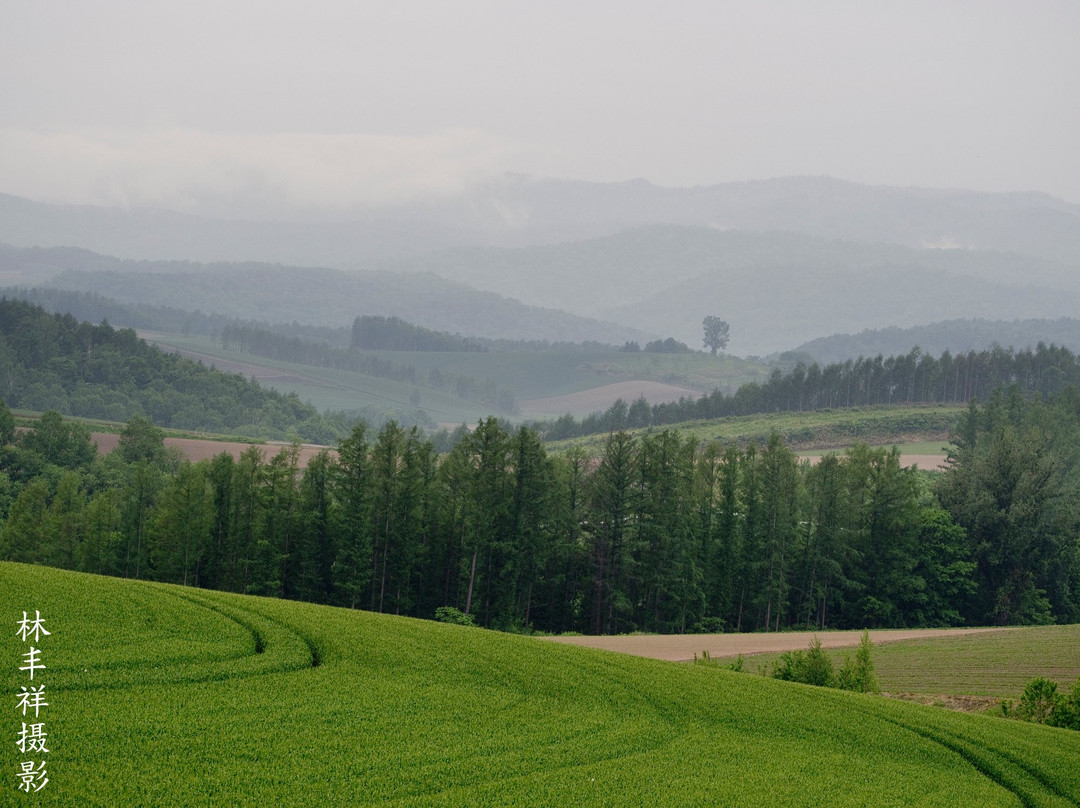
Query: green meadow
[(528, 374), (160, 695), (996, 665), (922, 428)]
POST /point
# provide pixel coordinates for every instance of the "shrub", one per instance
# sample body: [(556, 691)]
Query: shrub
[(1039, 700), (811, 667), (859, 675), (1067, 710), (449, 614)]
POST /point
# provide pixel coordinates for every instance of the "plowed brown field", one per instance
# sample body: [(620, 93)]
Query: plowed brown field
[(195, 449)]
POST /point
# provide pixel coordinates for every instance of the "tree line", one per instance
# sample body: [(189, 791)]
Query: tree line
[(657, 533), (55, 362), (912, 378), (261, 341)]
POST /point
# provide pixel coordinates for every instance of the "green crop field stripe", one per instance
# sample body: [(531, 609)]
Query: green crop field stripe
[(313, 653), (1008, 772), (1048, 782)]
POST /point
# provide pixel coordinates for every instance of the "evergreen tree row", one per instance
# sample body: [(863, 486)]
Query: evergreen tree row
[(656, 534), (914, 378)]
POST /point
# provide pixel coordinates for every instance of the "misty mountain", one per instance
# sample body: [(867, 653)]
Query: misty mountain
[(520, 211), (955, 336), (311, 296), (598, 277), (775, 289), (772, 309), (143, 233)]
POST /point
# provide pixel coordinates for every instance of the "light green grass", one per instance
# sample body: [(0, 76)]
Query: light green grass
[(995, 664), (408, 712), (528, 374), (814, 431)]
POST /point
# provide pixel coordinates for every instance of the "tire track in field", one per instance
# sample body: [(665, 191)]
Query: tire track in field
[(983, 760), (277, 648)]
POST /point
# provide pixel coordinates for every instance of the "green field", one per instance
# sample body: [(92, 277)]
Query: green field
[(920, 425), (995, 665), (165, 696), (527, 374)]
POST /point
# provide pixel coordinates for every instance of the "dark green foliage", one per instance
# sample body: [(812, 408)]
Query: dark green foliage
[(1067, 710), (1043, 704), (858, 675), (810, 667), (448, 614), (1039, 700), (54, 362), (1013, 485), (911, 378), (66, 444), (658, 534)]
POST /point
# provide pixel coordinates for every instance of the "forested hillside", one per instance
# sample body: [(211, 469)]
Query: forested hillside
[(911, 378), (658, 534), (955, 336), (54, 362)]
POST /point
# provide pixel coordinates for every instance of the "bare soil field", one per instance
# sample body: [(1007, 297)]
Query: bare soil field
[(683, 647), (195, 449), (926, 462), (600, 398)]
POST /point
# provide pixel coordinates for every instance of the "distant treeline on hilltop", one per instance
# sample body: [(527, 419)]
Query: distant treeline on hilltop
[(394, 334), (914, 378)]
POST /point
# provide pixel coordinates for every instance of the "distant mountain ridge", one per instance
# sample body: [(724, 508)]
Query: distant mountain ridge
[(784, 261), (521, 211), (310, 296)]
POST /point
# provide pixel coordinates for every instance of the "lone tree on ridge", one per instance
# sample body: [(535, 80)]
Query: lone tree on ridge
[(716, 333)]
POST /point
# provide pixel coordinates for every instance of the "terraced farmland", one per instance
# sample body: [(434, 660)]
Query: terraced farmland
[(160, 695)]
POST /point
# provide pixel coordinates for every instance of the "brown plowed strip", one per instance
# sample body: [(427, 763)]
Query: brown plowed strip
[(931, 462), (683, 647), (196, 450)]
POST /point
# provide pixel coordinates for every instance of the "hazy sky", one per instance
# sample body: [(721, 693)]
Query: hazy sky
[(206, 104)]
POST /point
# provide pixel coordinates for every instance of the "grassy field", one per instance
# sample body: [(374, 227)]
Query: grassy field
[(994, 665), (922, 425), (528, 375), (165, 696)]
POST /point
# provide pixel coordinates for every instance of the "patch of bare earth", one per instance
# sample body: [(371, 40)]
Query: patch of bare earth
[(931, 462), (601, 398), (961, 704), (683, 647), (196, 450)]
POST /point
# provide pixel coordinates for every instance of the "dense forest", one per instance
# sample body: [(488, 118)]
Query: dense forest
[(657, 534), (912, 378), (55, 362)]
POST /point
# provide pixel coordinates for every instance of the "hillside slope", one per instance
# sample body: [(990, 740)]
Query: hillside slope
[(167, 696), (308, 295)]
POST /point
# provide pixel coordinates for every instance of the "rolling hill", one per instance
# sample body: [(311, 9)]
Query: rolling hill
[(174, 696)]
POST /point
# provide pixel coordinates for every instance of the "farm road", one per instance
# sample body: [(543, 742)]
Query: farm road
[(683, 647)]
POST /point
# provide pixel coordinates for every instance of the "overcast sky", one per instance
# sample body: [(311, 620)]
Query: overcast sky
[(202, 104)]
